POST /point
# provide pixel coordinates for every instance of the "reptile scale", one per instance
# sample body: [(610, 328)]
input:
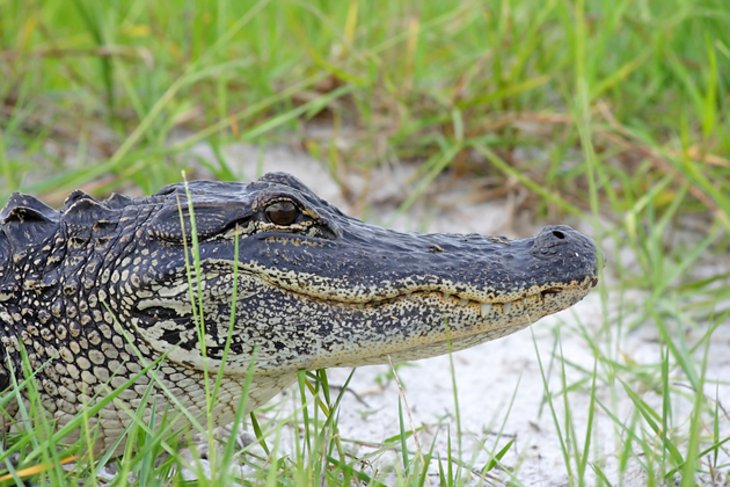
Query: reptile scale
[(107, 294)]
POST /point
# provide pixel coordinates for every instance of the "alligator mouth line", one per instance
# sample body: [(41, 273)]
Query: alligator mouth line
[(500, 306), (487, 308), (488, 305)]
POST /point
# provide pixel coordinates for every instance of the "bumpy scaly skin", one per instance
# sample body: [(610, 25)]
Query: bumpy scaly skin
[(100, 290)]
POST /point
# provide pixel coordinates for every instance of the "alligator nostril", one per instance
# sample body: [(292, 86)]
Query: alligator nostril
[(558, 234)]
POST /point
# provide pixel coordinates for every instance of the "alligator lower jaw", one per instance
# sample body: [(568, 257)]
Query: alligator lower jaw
[(454, 324)]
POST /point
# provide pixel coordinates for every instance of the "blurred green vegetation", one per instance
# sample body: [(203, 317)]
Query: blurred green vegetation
[(617, 110), (636, 89)]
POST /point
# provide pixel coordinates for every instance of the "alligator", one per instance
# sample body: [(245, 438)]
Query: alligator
[(148, 298)]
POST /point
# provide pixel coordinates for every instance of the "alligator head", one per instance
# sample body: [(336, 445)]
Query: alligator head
[(316, 288), (209, 273)]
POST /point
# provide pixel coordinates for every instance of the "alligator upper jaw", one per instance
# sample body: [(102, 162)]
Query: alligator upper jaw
[(368, 265)]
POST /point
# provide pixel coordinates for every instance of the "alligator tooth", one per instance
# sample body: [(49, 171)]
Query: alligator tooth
[(464, 302), (507, 308), (445, 295), (486, 309)]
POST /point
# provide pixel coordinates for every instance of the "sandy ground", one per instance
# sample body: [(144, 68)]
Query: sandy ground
[(495, 380)]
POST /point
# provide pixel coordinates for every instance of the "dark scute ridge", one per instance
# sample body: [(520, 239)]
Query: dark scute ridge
[(23, 207), (75, 196), (85, 211), (26, 222), (117, 201)]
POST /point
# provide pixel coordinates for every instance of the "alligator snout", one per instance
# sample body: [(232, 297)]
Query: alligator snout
[(560, 238), (566, 249)]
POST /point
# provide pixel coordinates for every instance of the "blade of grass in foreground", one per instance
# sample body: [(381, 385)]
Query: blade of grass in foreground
[(549, 399)]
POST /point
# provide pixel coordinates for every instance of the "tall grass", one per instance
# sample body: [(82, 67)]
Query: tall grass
[(614, 111)]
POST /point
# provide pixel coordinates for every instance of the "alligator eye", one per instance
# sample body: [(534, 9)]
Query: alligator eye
[(282, 213)]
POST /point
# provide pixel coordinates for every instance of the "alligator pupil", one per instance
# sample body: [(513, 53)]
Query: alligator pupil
[(282, 213)]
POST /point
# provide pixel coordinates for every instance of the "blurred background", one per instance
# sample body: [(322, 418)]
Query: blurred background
[(609, 115), (574, 101)]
